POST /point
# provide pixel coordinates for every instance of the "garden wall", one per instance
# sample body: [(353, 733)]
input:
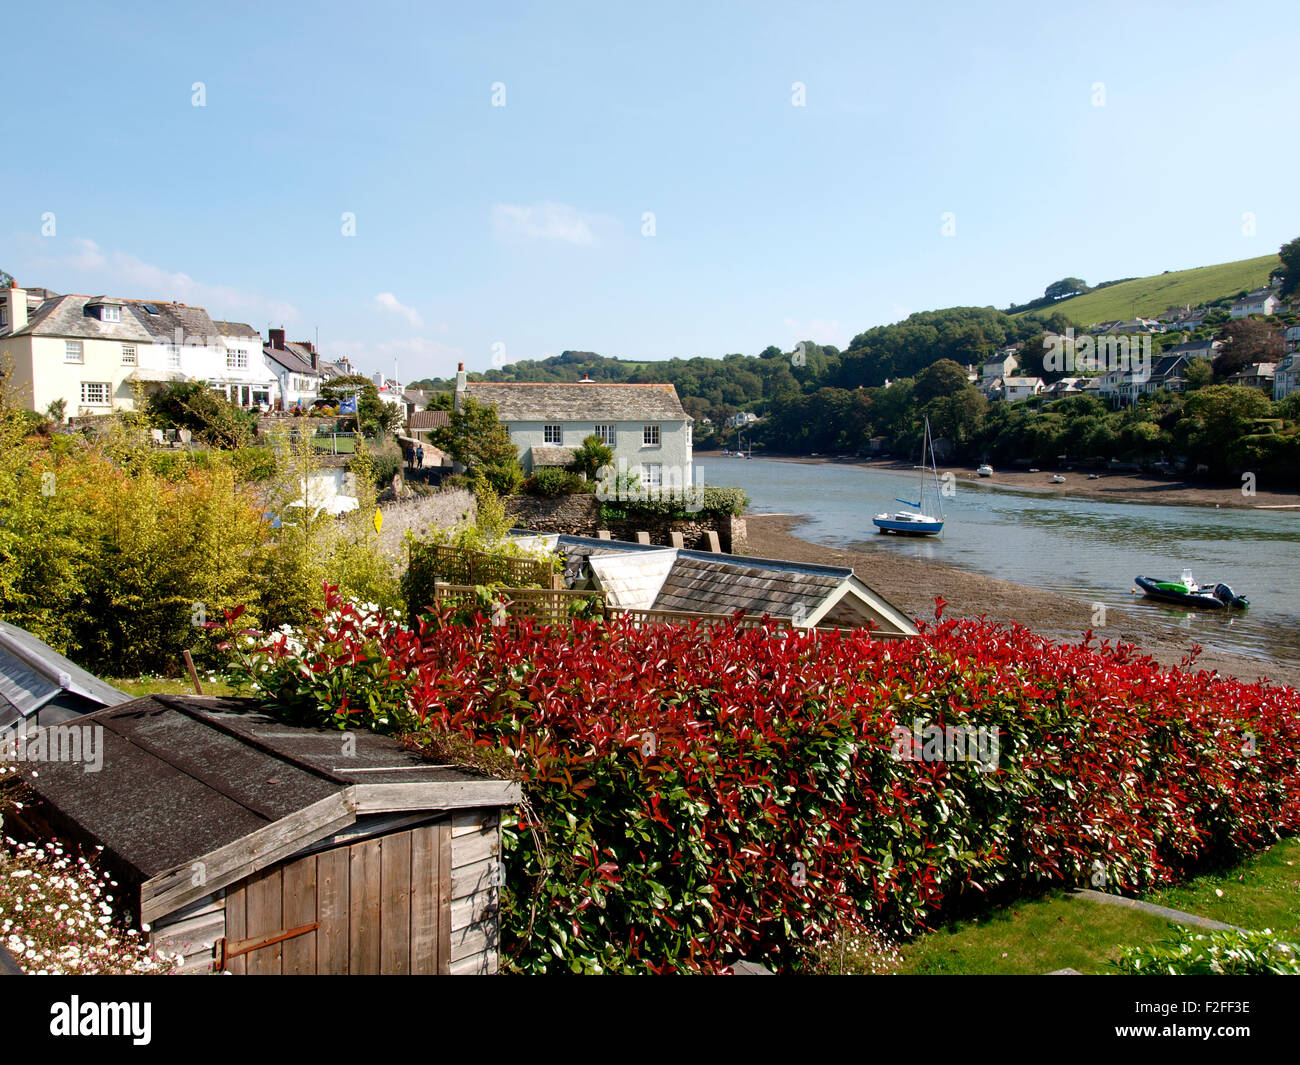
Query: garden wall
[(579, 515)]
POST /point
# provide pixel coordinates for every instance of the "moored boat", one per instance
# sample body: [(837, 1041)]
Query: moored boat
[(1186, 592), (916, 522), (985, 470)]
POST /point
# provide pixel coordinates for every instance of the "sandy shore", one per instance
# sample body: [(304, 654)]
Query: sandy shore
[(1112, 487), (912, 585)]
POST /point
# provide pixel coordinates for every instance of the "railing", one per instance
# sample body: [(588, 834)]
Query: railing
[(335, 443), (457, 565)]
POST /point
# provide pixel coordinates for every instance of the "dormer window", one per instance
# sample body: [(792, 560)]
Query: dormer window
[(110, 314)]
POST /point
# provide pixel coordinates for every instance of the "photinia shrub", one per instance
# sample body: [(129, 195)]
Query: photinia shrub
[(695, 795)]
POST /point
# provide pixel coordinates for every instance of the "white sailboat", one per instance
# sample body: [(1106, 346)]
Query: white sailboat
[(917, 522)]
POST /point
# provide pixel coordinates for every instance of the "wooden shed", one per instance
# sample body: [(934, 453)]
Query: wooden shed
[(262, 847)]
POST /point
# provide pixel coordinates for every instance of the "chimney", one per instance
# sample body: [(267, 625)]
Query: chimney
[(17, 307), (315, 361), (460, 377), (277, 338)]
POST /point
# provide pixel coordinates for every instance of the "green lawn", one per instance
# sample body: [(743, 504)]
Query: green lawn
[(1062, 931), (1150, 295), (1056, 932), (148, 685), (1262, 892)]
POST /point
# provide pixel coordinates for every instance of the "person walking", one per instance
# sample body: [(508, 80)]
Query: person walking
[(419, 456), (410, 456)]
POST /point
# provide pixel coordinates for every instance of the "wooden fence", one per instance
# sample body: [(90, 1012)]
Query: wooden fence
[(456, 565)]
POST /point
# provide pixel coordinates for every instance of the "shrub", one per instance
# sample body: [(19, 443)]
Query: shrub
[(1225, 952), (710, 504), (551, 481), (695, 796)]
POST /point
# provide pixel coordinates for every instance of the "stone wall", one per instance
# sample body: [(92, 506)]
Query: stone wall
[(579, 515)]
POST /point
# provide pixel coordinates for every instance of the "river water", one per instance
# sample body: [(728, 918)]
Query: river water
[(1087, 549)]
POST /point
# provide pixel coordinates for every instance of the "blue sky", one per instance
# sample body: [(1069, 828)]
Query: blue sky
[(518, 229)]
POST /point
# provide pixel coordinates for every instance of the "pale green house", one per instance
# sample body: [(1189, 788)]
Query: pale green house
[(644, 425)]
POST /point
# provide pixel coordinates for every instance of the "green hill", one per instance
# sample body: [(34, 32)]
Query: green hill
[(1148, 296)]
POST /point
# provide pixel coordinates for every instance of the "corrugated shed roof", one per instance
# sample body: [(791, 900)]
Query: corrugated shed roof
[(33, 676), (579, 402)]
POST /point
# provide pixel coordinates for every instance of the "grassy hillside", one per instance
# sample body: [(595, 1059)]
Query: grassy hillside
[(1150, 295)]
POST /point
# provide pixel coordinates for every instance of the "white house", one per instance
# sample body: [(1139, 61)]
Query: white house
[(1001, 365), (100, 353), (1286, 378), (644, 425), (1015, 389), (246, 376), (297, 368), (1261, 301)]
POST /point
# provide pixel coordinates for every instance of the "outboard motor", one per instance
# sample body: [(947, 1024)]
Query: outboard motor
[(1227, 596)]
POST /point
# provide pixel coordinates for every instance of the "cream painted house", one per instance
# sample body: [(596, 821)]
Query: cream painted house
[(87, 351), (99, 353), (644, 425)]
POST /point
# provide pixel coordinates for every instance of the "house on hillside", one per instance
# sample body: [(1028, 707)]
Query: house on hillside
[(1261, 301), (1286, 378), (250, 845), (1002, 365), (1291, 337), (1015, 389), (644, 577), (644, 425), (39, 686), (1258, 375), (297, 367), (1166, 372), (1066, 386)]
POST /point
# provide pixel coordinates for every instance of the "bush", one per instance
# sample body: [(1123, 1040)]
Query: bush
[(1225, 952), (697, 796), (710, 504), (551, 481)]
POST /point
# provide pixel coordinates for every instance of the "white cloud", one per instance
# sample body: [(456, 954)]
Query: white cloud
[(818, 330), (548, 221), (387, 301), (122, 274)]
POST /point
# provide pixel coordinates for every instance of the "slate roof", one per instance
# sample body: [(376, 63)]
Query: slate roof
[(193, 322), (550, 455), (290, 360), (700, 583), (1167, 364), (39, 685), (237, 329), (429, 419), (66, 316), (579, 402), (183, 776)]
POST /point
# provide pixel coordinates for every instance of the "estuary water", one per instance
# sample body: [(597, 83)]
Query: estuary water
[(1087, 549)]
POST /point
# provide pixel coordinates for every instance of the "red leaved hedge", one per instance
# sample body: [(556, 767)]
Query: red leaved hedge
[(701, 795)]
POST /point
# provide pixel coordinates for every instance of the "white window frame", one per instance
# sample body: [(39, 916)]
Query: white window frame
[(690, 433), (651, 436), (129, 357), (107, 387), (553, 434), (606, 434), (236, 358), (652, 475), (110, 314), (173, 356), (73, 351)]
